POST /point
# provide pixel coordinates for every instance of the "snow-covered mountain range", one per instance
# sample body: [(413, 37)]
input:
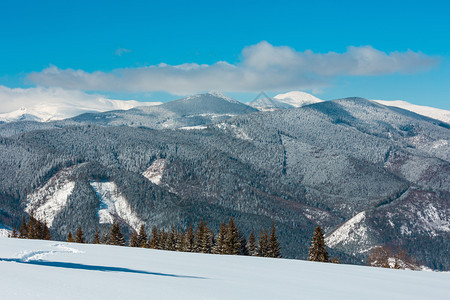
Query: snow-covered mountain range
[(369, 174), (53, 111)]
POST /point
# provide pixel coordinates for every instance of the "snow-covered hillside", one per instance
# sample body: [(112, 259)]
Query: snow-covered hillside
[(58, 270), (431, 112)]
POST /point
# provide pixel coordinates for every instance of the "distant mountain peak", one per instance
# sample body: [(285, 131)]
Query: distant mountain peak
[(297, 98)]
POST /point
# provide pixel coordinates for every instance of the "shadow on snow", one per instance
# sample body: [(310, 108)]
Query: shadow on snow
[(68, 265)]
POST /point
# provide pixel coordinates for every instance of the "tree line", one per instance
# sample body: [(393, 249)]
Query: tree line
[(33, 229), (228, 240)]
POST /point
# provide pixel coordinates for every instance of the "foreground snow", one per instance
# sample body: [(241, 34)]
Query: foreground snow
[(56, 270)]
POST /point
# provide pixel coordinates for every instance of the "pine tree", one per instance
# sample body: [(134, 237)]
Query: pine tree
[(70, 237), (96, 239), (318, 251), (274, 246), (232, 242), (116, 236), (31, 230), (198, 236), (251, 245), (172, 239), (189, 239), (46, 232), (162, 240), (14, 233), (142, 237), (207, 240), (219, 247), (79, 236), (243, 244), (263, 243), (39, 230), (153, 241), (134, 242), (23, 229)]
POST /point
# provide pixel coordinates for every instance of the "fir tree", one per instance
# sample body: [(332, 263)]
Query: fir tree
[(162, 240), (116, 236), (243, 245), (219, 247), (251, 245), (79, 238), (142, 237), (263, 243), (14, 233), (96, 239), (172, 239), (207, 240), (70, 237), (31, 228), (153, 241), (318, 251), (46, 232), (198, 236), (38, 230), (232, 242), (134, 242), (23, 229), (274, 246), (189, 239)]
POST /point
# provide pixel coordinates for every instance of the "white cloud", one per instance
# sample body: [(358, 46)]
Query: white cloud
[(263, 67), (57, 103), (121, 51)]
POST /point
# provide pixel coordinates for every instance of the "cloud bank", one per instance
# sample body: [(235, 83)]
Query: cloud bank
[(262, 67), (59, 103)]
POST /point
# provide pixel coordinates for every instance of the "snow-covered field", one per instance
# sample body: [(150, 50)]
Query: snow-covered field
[(32, 269)]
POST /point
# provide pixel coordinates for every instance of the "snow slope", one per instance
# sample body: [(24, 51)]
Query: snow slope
[(431, 112), (56, 270), (113, 203)]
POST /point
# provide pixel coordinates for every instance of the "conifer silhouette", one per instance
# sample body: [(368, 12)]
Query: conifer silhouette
[(79, 238), (251, 245), (116, 236), (70, 237), (318, 251), (142, 237), (134, 239), (274, 246)]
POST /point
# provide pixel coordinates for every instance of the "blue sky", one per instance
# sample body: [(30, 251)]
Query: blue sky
[(115, 48)]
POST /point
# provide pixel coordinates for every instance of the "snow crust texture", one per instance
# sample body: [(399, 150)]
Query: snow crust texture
[(49, 270)]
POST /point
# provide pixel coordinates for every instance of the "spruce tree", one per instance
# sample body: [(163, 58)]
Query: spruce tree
[(14, 233), (198, 236), (96, 239), (142, 237), (243, 244), (232, 242), (46, 232), (251, 245), (219, 247), (23, 229), (70, 237), (153, 241), (32, 228), (318, 251), (79, 238), (116, 236), (274, 246), (263, 243), (134, 239), (189, 239), (207, 240), (172, 239)]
